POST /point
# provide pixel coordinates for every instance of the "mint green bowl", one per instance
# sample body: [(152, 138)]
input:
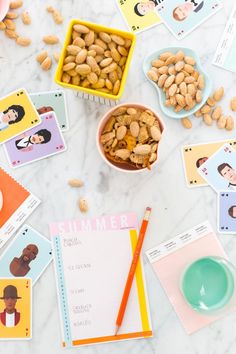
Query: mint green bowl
[(169, 111), (208, 284)]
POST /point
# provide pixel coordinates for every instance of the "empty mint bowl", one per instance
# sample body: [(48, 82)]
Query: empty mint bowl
[(208, 284), (169, 111)]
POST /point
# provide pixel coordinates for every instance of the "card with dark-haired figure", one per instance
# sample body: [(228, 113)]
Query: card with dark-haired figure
[(15, 308), (36, 144), (227, 212), (52, 101), (27, 255), (219, 170), (183, 16), (17, 115)]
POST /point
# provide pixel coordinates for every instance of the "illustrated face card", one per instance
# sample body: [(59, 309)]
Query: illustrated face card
[(140, 15), (15, 308), (195, 155), (38, 143), (17, 115), (17, 204), (27, 255), (52, 101), (220, 169), (183, 16), (227, 212)]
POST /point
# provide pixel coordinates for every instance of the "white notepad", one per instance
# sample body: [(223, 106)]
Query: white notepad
[(92, 264)]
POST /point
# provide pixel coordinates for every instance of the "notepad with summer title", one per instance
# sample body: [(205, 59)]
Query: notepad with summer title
[(92, 259)]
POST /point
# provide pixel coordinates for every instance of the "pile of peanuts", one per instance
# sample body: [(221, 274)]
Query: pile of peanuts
[(177, 76), (9, 27), (130, 137), (211, 112), (95, 60)]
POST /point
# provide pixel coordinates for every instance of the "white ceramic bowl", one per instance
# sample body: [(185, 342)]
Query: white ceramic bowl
[(123, 168), (4, 6)]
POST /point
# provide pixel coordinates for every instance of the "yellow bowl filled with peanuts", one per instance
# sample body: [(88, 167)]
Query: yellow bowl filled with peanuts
[(128, 137), (182, 84), (95, 59)]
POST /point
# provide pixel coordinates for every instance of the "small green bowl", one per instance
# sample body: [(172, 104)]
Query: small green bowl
[(208, 284)]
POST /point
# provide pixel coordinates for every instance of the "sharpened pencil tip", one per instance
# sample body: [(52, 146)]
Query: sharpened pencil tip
[(117, 330)]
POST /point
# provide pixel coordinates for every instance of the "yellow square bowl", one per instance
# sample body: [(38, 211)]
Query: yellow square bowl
[(96, 28)]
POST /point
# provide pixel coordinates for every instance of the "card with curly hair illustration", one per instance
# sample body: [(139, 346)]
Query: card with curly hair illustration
[(55, 101), (36, 144), (27, 255), (16, 204), (15, 308), (17, 115)]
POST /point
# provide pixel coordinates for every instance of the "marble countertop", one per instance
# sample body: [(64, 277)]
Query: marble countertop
[(175, 207)]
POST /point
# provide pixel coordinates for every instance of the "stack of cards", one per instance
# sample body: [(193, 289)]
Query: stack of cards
[(31, 126), (180, 16), (215, 164)]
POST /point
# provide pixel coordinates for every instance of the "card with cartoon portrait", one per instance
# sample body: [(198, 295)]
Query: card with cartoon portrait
[(15, 308), (52, 101), (38, 143), (16, 205), (227, 212), (195, 155), (17, 115), (220, 169), (27, 255), (183, 16), (140, 14)]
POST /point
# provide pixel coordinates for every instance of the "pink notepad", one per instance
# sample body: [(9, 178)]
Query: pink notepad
[(169, 261)]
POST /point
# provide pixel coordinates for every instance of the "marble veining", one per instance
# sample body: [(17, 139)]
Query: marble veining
[(175, 207)]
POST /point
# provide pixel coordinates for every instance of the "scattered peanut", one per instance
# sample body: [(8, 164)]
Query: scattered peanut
[(50, 39), (186, 122), (83, 205), (218, 94), (56, 56), (76, 183), (41, 56), (26, 18), (46, 64), (233, 104), (16, 4), (23, 41)]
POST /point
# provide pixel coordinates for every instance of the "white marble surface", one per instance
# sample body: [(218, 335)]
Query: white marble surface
[(175, 207)]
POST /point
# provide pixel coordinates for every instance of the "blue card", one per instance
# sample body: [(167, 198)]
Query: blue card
[(27, 255), (227, 212), (220, 169), (183, 16)]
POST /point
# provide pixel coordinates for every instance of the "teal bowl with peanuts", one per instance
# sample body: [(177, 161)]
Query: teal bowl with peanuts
[(164, 100)]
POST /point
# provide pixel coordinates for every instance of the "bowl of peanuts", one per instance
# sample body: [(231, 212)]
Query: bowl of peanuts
[(128, 137), (95, 59), (4, 6), (182, 84)]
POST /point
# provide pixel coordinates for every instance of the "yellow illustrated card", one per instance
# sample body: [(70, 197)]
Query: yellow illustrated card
[(15, 308), (195, 155), (17, 115), (140, 14)]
